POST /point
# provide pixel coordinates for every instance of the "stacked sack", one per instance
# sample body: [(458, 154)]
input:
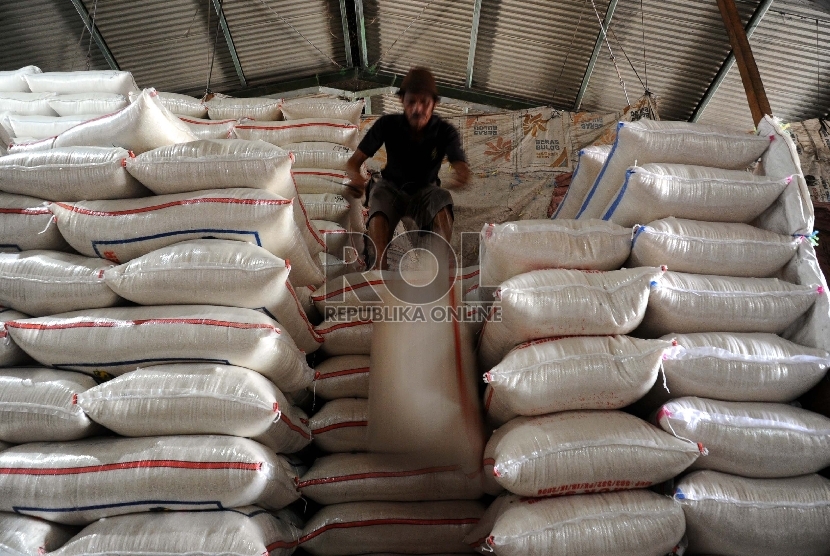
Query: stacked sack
[(198, 367), (560, 366)]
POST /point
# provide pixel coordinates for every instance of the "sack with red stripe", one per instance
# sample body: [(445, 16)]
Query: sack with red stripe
[(42, 283), (304, 297), (210, 129), (70, 174), (140, 127), (222, 108), (342, 376), (320, 181), (334, 235), (341, 426), (633, 523), (317, 154), (345, 337), (10, 354), (24, 535), (111, 342), (346, 295), (341, 478), (216, 271), (335, 267), (23, 145), (299, 108), (124, 230), (240, 531), (180, 105), (198, 398), (41, 405), (327, 206), (323, 130), (82, 481), (548, 303), (578, 452), (27, 224), (397, 527)]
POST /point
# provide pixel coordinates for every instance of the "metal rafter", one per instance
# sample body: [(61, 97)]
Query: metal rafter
[(223, 23), (344, 17), (471, 57), (95, 34), (361, 33), (609, 14), (751, 26)]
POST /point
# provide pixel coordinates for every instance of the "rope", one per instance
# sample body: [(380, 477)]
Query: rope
[(613, 58), (613, 34), (643, 26), (402, 34), (570, 47), (332, 60), (818, 68), (215, 43), (92, 27)]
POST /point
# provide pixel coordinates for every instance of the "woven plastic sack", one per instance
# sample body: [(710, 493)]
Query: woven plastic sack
[(111, 342), (210, 129), (752, 439), (220, 108), (10, 354), (548, 303), (685, 303), (329, 108), (547, 376), (755, 517), (41, 405), (198, 398), (327, 206), (711, 248), (317, 154), (42, 127), (124, 230), (648, 141), (742, 367), (26, 224), (180, 105), (341, 425), (142, 126), (578, 452), (334, 235), (27, 104), (24, 145), (82, 481), (335, 267), (634, 523), (351, 295), (41, 283), (496, 410), (342, 376), (514, 248), (67, 82), (656, 191), (70, 174), (246, 531), (320, 181), (315, 130), (304, 297), (347, 337), (96, 104), (339, 478), (22, 535), (216, 271), (588, 167), (14, 81), (402, 527)]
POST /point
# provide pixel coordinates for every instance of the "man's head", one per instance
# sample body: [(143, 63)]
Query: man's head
[(418, 94)]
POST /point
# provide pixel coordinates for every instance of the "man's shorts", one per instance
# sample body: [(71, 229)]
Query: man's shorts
[(396, 203)]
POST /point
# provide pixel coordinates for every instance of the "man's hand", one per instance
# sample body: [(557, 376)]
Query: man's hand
[(459, 177), (357, 181)]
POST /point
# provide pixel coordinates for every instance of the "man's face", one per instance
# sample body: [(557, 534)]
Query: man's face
[(418, 109)]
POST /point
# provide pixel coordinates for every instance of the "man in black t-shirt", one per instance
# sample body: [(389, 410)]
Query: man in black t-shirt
[(416, 143)]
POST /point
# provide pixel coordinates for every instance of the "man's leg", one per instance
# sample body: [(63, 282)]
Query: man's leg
[(442, 224), (380, 232)]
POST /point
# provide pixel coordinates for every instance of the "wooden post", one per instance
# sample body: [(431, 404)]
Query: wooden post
[(756, 96)]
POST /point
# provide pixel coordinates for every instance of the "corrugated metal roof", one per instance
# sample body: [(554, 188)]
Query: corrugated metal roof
[(46, 34), (789, 61)]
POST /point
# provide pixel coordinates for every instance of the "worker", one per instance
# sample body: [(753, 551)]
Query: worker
[(416, 143)]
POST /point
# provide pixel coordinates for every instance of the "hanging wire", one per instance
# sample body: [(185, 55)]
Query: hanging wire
[(613, 58), (92, 26), (570, 47), (630, 63), (818, 69), (332, 60), (402, 34), (215, 44), (643, 26)]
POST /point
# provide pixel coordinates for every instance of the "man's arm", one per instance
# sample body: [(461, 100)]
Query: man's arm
[(358, 182), (460, 175)]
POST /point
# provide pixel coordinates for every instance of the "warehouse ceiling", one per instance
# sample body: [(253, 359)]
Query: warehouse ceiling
[(504, 53)]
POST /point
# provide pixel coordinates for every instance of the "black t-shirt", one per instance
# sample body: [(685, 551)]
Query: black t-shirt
[(410, 163)]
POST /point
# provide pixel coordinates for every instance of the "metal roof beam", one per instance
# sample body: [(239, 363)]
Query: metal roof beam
[(223, 23), (361, 33), (92, 29), (347, 40), (583, 88), (753, 23), (471, 57)]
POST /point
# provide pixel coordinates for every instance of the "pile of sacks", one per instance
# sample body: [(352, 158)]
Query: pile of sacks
[(707, 291)]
